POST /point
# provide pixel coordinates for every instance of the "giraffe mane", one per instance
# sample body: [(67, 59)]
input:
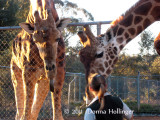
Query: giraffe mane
[(123, 16)]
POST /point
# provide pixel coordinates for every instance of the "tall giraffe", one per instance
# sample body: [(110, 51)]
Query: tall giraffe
[(37, 62), (100, 54)]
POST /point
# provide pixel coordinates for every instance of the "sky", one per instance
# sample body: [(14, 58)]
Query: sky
[(108, 10)]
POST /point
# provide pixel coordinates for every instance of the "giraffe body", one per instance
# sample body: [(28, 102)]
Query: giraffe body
[(38, 54), (101, 56)]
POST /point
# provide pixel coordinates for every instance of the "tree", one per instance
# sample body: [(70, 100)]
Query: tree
[(8, 9), (146, 43)]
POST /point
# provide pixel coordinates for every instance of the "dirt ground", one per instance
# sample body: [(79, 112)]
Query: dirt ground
[(135, 118)]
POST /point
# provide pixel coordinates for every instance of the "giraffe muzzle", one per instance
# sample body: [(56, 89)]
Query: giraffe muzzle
[(51, 75)]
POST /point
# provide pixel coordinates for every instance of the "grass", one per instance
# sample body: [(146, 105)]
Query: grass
[(144, 108)]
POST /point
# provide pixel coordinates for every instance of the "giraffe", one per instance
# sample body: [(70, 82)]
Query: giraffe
[(100, 54), (37, 63)]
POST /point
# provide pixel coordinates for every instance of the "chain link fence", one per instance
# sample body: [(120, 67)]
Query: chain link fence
[(141, 93)]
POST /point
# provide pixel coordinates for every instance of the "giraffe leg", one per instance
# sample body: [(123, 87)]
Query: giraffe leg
[(16, 75), (29, 78), (56, 96), (56, 104), (42, 88)]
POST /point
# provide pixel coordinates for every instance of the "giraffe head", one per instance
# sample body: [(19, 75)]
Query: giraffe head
[(97, 55), (46, 34)]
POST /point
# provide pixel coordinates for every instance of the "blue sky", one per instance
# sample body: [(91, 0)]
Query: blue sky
[(106, 10)]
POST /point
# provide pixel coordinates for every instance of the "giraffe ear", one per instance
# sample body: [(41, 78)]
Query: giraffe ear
[(83, 38), (61, 24), (29, 28)]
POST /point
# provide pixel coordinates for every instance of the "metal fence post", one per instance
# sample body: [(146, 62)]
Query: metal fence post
[(117, 87), (69, 90), (98, 29), (148, 91), (74, 90), (109, 84), (138, 91), (80, 86)]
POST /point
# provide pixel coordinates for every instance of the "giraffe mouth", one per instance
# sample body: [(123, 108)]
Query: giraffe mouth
[(51, 75), (51, 85)]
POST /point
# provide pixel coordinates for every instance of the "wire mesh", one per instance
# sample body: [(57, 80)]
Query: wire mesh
[(74, 86)]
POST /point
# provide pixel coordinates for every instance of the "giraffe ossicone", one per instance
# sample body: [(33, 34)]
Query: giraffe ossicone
[(121, 32)]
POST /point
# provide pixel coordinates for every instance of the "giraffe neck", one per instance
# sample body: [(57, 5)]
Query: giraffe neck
[(133, 22), (41, 6), (123, 30)]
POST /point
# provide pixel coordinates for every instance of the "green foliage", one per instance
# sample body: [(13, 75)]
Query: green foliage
[(146, 43), (130, 65), (155, 66), (144, 108), (13, 11), (73, 63)]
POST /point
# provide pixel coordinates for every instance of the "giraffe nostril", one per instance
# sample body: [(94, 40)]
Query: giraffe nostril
[(47, 68), (53, 67), (50, 68)]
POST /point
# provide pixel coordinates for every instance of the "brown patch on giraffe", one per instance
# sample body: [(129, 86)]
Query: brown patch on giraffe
[(126, 35), (57, 91), (106, 64), (115, 60), (139, 30), (112, 56), (121, 47), (33, 62), (60, 63), (137, 20), (58, 50), (127, 21), (59, 83), (110, 62), (146, 23), (61, 43), (120, 31), (111, 53), (28, 83), (32, 69), (120, 40), (107, 57), (128, 40), (108, 71), (115, 50), (24, 58), (132, 31), (156, 13), (102, 69), (56, 99), (62, 56), (115, 30), (143, 9)]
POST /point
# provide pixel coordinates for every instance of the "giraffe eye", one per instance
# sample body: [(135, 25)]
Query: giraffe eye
[(58, 39), (99, 55)]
